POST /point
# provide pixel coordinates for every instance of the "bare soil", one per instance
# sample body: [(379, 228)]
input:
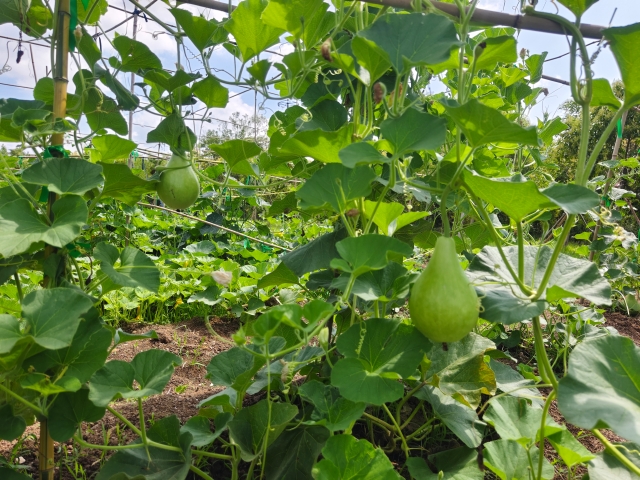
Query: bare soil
[(191, 341)]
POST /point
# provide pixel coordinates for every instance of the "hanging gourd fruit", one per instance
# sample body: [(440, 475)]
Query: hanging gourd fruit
[(443, 304), (179, 186)]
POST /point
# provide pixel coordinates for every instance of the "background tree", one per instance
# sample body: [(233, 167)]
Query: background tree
[(239, 126)]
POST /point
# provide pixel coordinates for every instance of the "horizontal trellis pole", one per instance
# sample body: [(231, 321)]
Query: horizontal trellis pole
[(480, 16)]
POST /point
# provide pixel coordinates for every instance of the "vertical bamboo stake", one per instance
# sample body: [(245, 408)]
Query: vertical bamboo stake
[(60, 81), (61, 67)]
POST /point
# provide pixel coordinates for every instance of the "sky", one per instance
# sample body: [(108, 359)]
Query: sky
[(24, 74)]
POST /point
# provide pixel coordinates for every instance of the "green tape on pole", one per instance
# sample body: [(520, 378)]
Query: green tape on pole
[(620, 128), (73, 22)]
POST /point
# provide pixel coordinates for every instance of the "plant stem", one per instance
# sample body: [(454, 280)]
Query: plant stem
[(124, 420), (219, 456), (382, 423), (36, 409), (498, 241), (143, 428), (406, 398), (199, 472), (544, 366), (600, 145), (554, 256), (405, 447), (616, 453), (520, 251), (16, 278), (543, 423)]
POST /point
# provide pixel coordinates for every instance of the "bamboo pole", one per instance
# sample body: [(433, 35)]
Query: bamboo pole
[(46, 452), (479, 17), (61, 68)]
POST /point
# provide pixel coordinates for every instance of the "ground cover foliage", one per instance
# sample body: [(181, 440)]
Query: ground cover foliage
[(337, 211)]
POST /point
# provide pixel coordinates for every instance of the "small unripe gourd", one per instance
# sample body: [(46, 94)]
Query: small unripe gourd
[(443, 304), (179, 186)]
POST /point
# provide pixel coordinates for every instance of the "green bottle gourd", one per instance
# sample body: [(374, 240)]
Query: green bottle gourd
[(443, 304), (179, 186)]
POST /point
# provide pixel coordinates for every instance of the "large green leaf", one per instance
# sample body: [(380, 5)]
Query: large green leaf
[(9, 333), (307, 20), (53, 315), (282, 275), (212, 93), (251, 33), (625, 45), (370, 57), (577, 7), (509, 460), (200, 429), (388, 217), (236, 153), (68, 411), (151, 369), (202, 32), (331, 410), (457, 464), (86, 354), (108, 148), (234, 368), (315, 255), (11, 426), (293, 454), (573, 199), (602, 386), (378, 353), (11, 474), (336, 186), (361, 153), (347, 458), (173, 131), (126, 100), (514, 419), (461, 370), (369, 252), (414, 130), (248, 429), (461, 419), (327, 115), (603, 94), (516, 196), (65, 175), (482, 124), (499, 304), (134, 55), (511, 382), (32, 17), (134, 270), (412, 39), (158, 463), (103, 112), (607, 467), (496, 50), (168, 83), (384, 285), (319, 144), (571, 277), (120, 183)]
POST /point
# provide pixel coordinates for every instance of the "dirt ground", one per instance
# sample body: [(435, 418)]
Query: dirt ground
[(188, 386)]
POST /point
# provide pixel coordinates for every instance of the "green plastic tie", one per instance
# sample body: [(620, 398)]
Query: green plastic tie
[(620, 128)]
